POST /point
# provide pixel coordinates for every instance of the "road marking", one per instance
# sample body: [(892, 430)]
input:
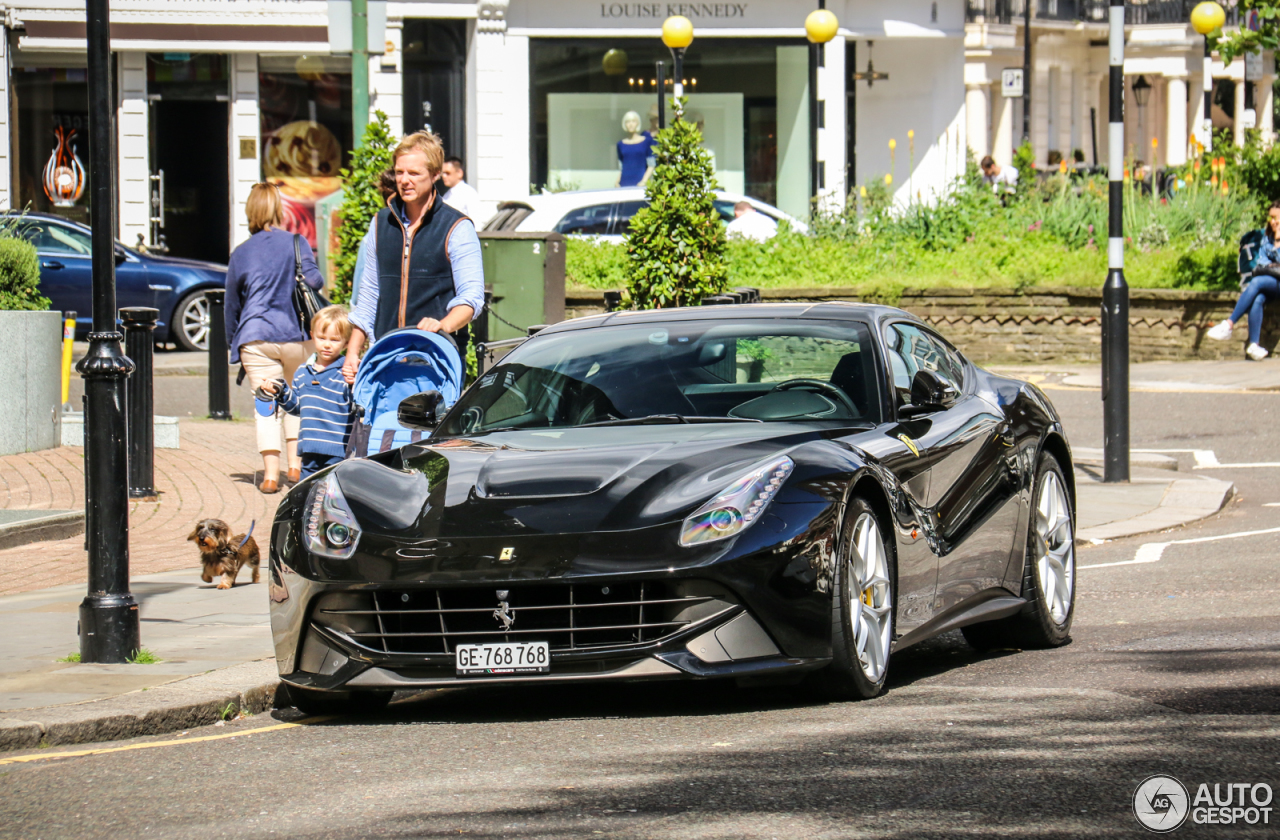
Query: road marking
[(1206, 459), (1153, 552), (153, 744)]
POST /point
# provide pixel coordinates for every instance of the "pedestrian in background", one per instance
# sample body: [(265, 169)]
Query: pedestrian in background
[(262, 326), (1263, 287), (319, 396), (1002, 179), (427, 270), (749, 223), (459, 195)]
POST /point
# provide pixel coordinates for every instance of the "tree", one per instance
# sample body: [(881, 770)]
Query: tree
[(675, 246), (361, 200), (1244, 40)]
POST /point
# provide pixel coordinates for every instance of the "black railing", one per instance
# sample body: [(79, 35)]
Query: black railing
[(1089, 11)]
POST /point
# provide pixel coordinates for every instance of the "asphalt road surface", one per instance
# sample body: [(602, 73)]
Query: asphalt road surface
[(1172, 670)]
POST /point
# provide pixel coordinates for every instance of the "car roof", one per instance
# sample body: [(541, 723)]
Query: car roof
[(573, 199), (45, 216), (821, 310)]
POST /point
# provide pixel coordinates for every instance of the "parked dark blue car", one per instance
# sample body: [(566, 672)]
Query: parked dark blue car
[(174, 286)]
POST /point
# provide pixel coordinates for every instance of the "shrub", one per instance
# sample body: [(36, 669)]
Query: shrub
[(1211, 268), (597, 265), (20, 275), (675, 246), (361, 200)]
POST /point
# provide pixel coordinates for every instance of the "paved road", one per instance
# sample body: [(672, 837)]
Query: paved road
[(1173, 669)]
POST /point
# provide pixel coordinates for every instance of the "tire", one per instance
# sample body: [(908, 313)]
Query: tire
[(189, 326), (315, 702), (863, 607), (1048, 573)]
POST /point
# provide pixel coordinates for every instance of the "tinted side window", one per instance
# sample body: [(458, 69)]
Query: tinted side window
[(622, 218), (56, 239), (588, 220), (911, 349)]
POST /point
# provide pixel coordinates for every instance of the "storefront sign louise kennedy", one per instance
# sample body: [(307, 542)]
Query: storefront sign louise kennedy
[(662, 11)]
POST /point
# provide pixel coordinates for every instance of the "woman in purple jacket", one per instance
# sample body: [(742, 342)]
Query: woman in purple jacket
[(262, 327)]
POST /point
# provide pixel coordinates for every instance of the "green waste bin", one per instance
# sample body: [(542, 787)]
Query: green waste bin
[(525, 273)]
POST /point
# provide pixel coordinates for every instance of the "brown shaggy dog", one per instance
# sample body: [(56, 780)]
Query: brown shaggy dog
[(223, 554)]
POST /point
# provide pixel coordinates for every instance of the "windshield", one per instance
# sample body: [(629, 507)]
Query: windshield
[(692, 371)]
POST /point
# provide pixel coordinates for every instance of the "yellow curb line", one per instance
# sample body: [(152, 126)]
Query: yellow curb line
[(152, 744)]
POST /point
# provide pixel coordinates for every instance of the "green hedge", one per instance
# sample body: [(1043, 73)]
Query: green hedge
[(20, 276), (881, 271)]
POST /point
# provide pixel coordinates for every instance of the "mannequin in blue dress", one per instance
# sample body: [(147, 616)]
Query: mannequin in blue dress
[(634, 152)]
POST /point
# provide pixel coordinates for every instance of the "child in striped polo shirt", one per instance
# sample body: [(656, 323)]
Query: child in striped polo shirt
[(319, 394)]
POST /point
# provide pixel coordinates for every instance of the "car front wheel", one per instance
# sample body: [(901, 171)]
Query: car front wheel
[(189, 326), (862, 608), (1048, 573)]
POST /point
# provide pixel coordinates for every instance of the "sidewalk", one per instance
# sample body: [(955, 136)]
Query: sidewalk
[(215, 646)]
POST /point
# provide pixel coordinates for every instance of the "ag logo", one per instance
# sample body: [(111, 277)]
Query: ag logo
[(1161, 804)]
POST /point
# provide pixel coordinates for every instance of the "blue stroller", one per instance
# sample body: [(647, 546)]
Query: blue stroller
[(398, 365)]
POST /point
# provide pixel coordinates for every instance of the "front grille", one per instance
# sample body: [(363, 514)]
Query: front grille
[(566, 616)]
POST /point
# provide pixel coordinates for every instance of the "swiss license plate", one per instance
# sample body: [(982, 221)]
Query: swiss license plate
[(503, 659)]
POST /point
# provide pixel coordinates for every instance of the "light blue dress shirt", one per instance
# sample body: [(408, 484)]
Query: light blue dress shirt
[(464, 258)]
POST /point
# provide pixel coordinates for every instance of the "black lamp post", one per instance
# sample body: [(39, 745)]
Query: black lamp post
[(819, 27), (1205, 18), (1141, 91), (108, 615), (677, 34)]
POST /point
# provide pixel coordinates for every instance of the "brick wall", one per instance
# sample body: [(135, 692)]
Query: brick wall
[(1047, 324)]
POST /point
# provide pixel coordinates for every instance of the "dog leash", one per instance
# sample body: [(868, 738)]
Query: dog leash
[(246, 536)]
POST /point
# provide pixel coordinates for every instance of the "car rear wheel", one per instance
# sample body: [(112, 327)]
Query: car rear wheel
[(862, 608), (316, 702), (1048, 573), (189, 326)]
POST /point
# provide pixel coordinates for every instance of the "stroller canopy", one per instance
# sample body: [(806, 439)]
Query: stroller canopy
[(398, 365)]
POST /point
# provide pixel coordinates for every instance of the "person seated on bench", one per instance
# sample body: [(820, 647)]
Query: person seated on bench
[(1263, 287)]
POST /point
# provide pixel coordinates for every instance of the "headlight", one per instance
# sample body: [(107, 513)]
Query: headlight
[(738, 506), (327, 521)]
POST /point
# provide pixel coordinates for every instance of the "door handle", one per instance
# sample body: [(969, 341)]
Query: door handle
[(51, 264)]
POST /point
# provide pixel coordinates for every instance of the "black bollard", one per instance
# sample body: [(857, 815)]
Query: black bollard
[(139, 399), (718, 300), (612, 301), (219, 384)]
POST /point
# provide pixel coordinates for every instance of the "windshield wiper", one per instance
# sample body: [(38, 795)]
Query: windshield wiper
[(659, 419)]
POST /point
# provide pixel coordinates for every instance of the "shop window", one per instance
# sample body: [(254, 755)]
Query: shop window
[(305, 105), (584, 89), (51, 140)]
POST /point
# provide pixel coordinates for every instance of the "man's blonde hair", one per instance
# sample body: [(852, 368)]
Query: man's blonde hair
[(263, 207), (332, 316), (427, 143)]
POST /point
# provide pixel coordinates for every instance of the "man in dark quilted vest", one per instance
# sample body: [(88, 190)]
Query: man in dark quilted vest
[(423, 267)]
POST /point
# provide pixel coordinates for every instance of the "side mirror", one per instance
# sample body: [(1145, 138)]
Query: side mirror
[(929, 393), (421, 411), (121, 256)]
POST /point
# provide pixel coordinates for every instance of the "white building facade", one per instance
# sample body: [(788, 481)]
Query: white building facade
[(215, 95), (1164, 57)]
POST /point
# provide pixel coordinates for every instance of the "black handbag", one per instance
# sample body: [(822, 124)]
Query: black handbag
[(306, 300)]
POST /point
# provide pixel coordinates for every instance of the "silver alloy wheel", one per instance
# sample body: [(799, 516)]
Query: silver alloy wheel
[(870, 597), (195, 322), (1055, 548)]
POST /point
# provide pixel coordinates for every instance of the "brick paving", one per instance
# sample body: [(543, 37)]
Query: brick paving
[(214, 474)]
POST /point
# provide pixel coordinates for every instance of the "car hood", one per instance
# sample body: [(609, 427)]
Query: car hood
[(182, 262), (570, 481)]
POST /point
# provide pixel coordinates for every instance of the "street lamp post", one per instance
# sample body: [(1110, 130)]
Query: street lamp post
[(359, 69), (1205, 18), (677, 34), (1115, 293), (108, 614), (819, 27)]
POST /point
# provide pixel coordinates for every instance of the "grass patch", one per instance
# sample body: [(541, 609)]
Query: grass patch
[(142, 656), (74, 656)]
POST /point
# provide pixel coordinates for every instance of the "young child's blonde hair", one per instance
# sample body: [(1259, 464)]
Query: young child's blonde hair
[(332, 316)]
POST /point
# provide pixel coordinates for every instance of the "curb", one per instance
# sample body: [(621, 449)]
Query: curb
[(1185, 501), (1085, 457), (184, 704), (42, 525)]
